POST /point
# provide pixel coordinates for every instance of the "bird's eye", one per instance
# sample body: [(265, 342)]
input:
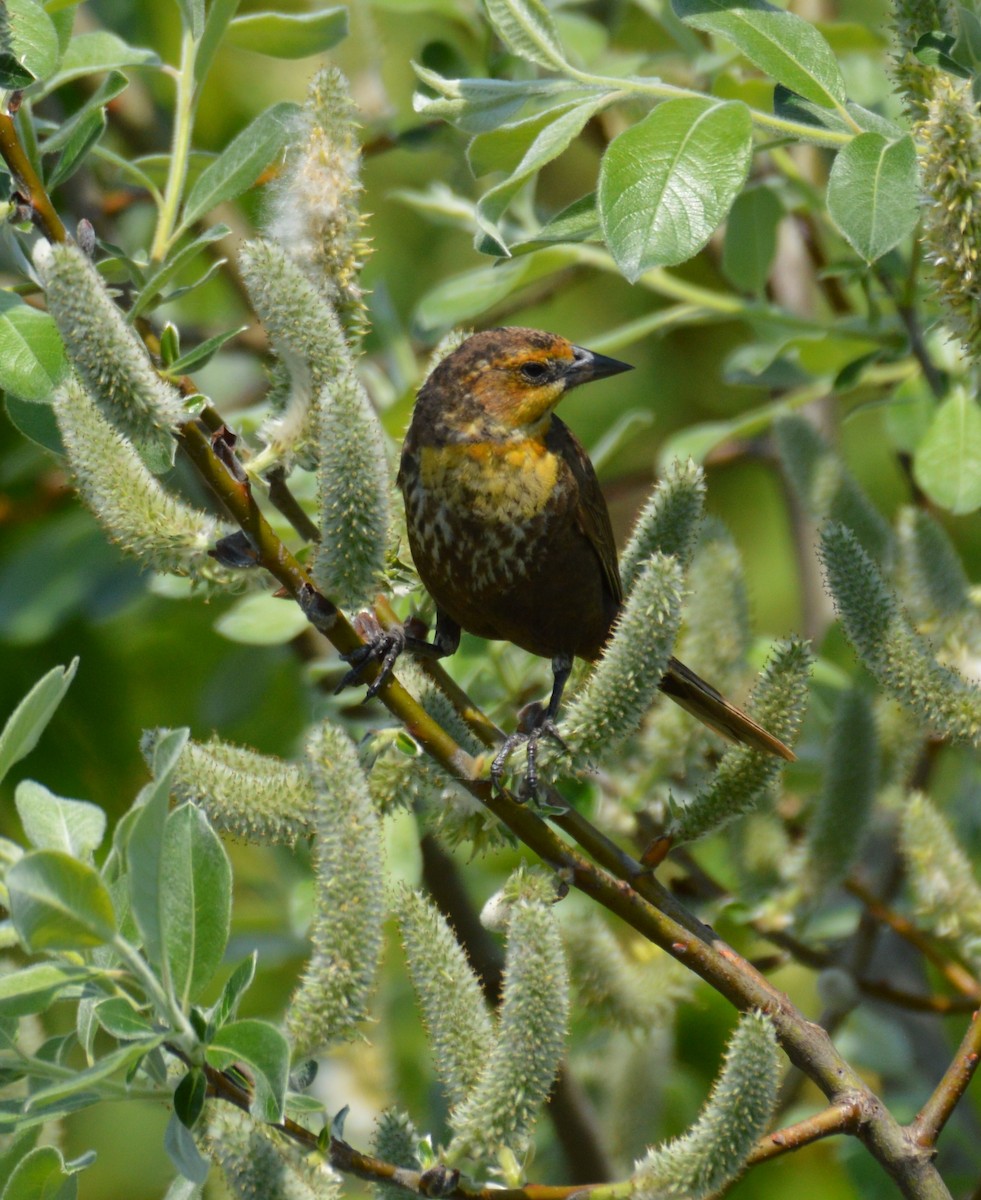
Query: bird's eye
[(534, 372)]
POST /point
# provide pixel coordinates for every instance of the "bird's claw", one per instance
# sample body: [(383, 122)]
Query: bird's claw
[(382, 646), (534, 723)]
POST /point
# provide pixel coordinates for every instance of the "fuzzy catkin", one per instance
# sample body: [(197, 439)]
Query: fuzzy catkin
[(950, 164), (105, 350), (137, 513)]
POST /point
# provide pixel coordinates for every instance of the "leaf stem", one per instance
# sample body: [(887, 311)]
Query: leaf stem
[(180, 149), (763, 120)]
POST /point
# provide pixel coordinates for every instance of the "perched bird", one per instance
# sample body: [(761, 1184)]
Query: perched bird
[(508, 527)]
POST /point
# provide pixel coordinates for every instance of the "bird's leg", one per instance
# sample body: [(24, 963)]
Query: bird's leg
[(534, 722), (385, 645)]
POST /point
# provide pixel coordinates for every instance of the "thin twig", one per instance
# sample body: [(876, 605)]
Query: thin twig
[(838, 1118), (956, 975), (934, 1115)]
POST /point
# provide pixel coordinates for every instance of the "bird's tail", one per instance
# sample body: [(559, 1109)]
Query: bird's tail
[(714, 710)]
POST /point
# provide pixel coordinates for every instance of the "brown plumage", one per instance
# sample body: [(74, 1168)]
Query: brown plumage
[(508, 527)]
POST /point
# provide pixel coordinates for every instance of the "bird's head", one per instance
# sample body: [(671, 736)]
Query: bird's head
[(503, 382)]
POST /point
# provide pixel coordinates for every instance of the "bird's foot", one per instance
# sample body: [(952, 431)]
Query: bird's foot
[(381, 645), (534, 723)]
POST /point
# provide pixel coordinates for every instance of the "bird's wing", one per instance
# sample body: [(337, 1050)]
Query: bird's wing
[(592, 516)]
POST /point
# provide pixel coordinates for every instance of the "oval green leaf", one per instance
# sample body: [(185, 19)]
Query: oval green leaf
[(31, 39), (53, 823), (667, 183), (289, 35), (195, 899), (873, 193), (947, 464), (32, 357), (28, 720), (781, 44), (59, 903)]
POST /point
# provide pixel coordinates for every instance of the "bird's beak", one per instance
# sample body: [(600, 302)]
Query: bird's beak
[(587, 365)]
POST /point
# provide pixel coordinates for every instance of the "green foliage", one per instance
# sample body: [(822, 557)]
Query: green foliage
[(826, 488)]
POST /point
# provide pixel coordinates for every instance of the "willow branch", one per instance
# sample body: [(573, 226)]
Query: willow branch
[(27, 182)]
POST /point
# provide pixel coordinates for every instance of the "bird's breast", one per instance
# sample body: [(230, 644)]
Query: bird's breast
[(501, 484)]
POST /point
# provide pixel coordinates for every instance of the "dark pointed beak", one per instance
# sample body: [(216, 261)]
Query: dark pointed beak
[(587, 365)]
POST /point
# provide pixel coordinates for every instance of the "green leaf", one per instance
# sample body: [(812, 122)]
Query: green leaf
[(36, 422), (83, 137), (79, 1081), (478, 105), (289, 35), (189, 1097), (195, 888), (34, 988), (113, 85), (220, 12), (119, 1018), (59, 903), (41, 1175), (192, 16), (89, 53), (183, 1152), (236, 985), (527, 29), (666, 183), (947, 463), (265, 1051), (261, 620), (30, 39), (781, 44), (32, 357), (462, 297), (28, 720), (144, 846), (204, 351), (873, 193), (175, 262), (554, 136), (241, 162), (53, 823), (751, 238)]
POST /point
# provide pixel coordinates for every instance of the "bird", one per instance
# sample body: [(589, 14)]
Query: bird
[(509, 531)]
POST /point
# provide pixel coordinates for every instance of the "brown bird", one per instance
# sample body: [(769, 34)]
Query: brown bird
[(508, 527)]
